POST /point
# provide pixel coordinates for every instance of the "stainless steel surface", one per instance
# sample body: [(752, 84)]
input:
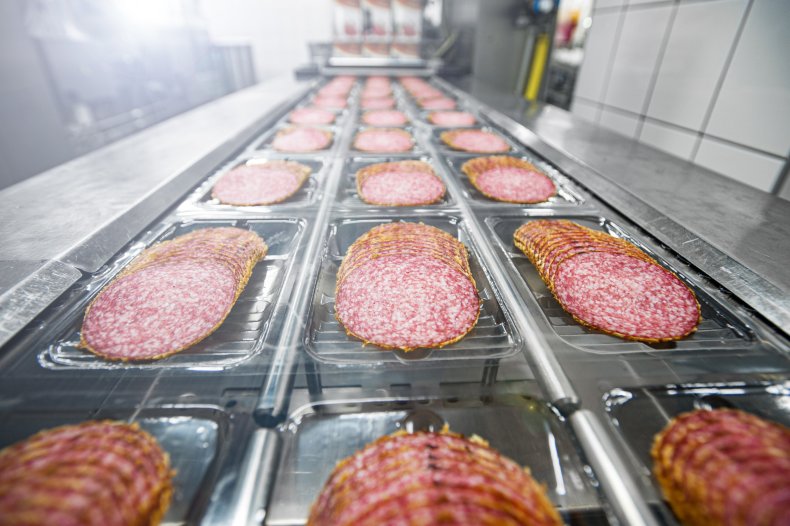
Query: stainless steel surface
[(248, 506), (616, 481), (525, 429), (734, 233)]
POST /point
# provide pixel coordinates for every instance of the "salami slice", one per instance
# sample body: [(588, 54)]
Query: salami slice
[(99, 473), (378, 103), (311, 115), (477, 141), (431, 478), (172, 296), (437, 103), (451, 118), (261, 184), (509, 179), (724, 466), (372, 92), (330, 102), (384, 118), (607, 283), (302, 139), (384, 140), (402, 183)]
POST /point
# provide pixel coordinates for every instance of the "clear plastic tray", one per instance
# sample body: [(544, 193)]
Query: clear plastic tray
[(326, 341), (242, 334), (193, 438), (201, 201), (349, 198), (567, 195), (526, 430), (719, 329), (638, 414)]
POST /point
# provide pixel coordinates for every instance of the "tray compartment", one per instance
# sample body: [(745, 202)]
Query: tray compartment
[(493, 337), (348, 196), (446, 150), (719, 328), (263, 145), (416, 150), (194, 438), (638, 414), (201, 202), (524, 429), (567, 194), (241, 336)]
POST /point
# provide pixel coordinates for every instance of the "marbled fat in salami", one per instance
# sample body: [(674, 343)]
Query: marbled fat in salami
[(302, 139), (171, 296), (724, 466), (384, 118), (406, 286), (383, 140), (311, 115), (451, 118), (100, 473), (431, 478), (400, 183), (477, 141), (509, 179), (261, 184), (607, 283)]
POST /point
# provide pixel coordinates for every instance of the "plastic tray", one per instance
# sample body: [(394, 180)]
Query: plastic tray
[(327, 341), (638, 414), (567, 195), (202, 202), (524, 429), (242, 334), (719, 329), (349, 198), (194, 438)]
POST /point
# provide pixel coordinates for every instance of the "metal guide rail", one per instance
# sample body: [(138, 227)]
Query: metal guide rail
[(301, 394)]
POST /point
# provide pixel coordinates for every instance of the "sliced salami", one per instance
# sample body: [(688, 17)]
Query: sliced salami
[(403, 183), (509, 179), (607, 283), (384, 118), (452, 118), (626, 296), (372, 92), (100, 473), (477, 141), (261, 184), (330, 102), (431, 478), (384, 140), (172, 296), (724, 466), (437, 103), (378, 103), (311, 115), (302, 139)]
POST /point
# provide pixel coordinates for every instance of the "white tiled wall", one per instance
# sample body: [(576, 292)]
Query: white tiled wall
[(707, 81)]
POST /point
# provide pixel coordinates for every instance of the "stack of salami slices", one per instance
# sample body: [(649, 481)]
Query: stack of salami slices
[(437, 103), (261, 183), (384, 140), (608, 284), (171, 296), (400, 183), (406, 286), (377, 103), (101, 473), (724, 467), (384, 118), (300, 139), (431, 478), (311, 115), (509, 179), (476, 141), (451, 118)]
